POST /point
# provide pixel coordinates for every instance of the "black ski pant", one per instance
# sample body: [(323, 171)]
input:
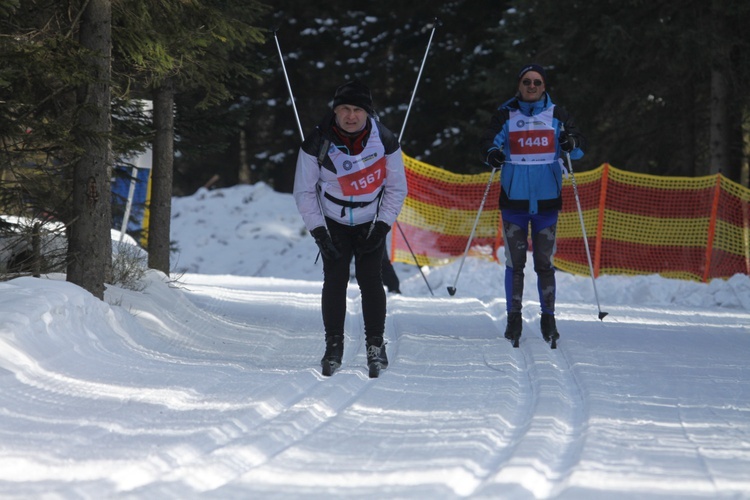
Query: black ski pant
[(390, 278), (367, 269), (543, 241)]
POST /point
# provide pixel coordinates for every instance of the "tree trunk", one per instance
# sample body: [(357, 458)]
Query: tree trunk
[(745, 164), (719, 157), (89, 238), (719, 136), (244, 175), (161, 179)]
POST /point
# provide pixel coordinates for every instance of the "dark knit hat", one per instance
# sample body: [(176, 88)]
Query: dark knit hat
[(533, 67), (355, 93)]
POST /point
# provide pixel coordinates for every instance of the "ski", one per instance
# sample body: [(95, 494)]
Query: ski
[(329, 367), (552, 343)]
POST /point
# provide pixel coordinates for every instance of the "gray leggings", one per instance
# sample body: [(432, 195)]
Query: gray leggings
[(516, 247)]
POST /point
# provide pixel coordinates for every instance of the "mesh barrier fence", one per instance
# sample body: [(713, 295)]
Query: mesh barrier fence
[(678, 227)]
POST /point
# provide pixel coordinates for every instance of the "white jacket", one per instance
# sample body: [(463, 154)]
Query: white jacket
[(353, 181)]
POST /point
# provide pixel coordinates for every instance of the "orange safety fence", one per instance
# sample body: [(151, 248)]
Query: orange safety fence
[(678, 227)]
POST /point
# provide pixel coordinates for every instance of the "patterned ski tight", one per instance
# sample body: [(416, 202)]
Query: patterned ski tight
[(543, 235)]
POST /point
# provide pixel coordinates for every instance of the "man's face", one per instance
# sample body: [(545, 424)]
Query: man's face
[(531, 86), (350, 118)]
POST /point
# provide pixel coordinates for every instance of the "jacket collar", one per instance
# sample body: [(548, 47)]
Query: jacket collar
[(528, 108)]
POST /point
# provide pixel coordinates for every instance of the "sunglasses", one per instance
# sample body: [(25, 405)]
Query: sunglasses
[(527, 83)]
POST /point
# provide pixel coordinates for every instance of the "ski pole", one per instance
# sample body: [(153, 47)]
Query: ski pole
[(289, 86), (435, 24), (415, 259), (452, 289), (299, 126), (419, 75), (583, 230), (294, 107)]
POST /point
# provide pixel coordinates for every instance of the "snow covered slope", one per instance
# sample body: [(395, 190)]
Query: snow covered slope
[(210, 387)]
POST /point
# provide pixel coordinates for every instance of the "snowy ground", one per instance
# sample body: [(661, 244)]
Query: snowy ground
[(207, 384)]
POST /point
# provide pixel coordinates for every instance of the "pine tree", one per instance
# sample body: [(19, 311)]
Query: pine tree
[(185, 46)]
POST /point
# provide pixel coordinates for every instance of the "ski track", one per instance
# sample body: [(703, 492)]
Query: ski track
[(311, 408), (494, 420), (534, 423), (550, 424)]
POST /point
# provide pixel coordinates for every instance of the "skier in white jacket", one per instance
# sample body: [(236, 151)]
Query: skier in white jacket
[(349, 187)]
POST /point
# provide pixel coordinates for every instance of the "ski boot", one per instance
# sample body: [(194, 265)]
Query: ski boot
[(549, 330), (334, 352), (376, 357), (513, 330)]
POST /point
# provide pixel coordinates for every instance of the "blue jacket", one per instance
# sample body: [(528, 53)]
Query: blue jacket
[(533, 186)]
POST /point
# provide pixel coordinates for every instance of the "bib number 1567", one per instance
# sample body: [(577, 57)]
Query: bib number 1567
[(364, 181)]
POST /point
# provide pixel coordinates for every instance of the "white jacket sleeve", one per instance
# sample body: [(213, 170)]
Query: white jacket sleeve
[(395, 188), (306, 179)]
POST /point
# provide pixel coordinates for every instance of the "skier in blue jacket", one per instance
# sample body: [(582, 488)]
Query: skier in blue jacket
[(526, 139)]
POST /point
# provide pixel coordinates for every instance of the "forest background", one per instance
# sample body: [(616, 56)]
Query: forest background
[(648, 82), (657, 87)]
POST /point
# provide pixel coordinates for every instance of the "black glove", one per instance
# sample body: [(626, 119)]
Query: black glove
[(495, 158), (327, 249), (567, 141), (376, 239)]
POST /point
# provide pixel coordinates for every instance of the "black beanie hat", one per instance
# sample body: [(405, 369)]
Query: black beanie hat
[(355, 93), (533, 67)]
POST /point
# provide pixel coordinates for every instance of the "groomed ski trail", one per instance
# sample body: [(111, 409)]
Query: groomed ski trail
[(458, 413), (502, 417)]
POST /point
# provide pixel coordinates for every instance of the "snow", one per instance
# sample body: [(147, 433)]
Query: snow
[(207, 383)]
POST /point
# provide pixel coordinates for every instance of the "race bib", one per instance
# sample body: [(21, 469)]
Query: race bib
[(364, 173), (365, 180), (532, 142), (532, 138)]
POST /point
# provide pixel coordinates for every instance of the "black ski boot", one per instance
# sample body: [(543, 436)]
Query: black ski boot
[(334, 352), (376, 357), (549, 329), (513, 330)]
